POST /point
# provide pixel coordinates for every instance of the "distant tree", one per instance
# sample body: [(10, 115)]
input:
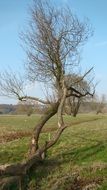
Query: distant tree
[(24, 108), (7, 108), (93, 103), (73, 103), (101, 104), (98, 104)]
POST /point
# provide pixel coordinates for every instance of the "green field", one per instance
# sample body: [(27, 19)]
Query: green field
[(78, 160)]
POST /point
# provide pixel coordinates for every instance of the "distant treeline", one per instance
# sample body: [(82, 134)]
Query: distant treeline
[(21, 108), (28, 109)]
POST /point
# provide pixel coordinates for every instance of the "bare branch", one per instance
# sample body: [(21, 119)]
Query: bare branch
[(53, 41), (24, 98), (11, 84)]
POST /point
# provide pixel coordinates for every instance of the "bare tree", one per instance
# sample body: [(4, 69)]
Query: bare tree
[(101, 104), (98, 103), (73, 103), (53, 43)]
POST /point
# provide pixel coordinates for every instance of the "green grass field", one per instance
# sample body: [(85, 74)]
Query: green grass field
[(78, 160)]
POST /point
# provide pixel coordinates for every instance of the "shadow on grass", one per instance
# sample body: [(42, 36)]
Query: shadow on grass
[(82, 154), (41, 171), (32, 180), (76, 156)]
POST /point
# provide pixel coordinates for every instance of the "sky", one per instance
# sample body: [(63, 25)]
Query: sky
[(14, 16)]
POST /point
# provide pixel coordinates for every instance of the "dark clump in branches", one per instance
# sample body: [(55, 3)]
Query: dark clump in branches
[(52, 44)]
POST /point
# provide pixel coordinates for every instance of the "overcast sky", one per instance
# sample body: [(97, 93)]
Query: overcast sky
[(14, 17)]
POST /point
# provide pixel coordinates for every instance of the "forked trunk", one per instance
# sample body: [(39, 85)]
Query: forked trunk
[(37, 130)]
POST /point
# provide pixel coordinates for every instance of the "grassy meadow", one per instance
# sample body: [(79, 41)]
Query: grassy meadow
[(77, 162)]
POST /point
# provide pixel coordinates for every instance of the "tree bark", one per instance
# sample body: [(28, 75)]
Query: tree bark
[(61, 125), (61, 106), (37, 130)]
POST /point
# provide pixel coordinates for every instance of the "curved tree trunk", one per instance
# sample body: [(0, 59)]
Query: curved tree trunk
[(61, 107), (37, 130), (21, 169)]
